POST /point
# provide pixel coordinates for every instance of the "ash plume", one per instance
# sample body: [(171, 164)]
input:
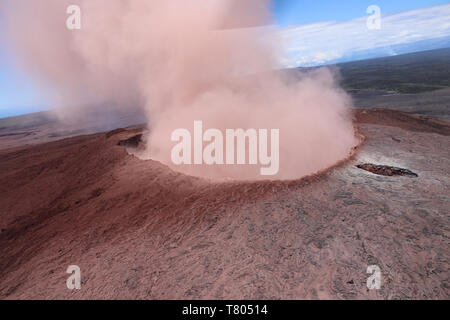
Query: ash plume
[(178, 61)]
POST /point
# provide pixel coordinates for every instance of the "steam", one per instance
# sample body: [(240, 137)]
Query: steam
[(178, 61)]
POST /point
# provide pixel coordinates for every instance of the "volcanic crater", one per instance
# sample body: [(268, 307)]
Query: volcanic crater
[(137, 229)]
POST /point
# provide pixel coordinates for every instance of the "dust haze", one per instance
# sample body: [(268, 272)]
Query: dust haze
[(180, 61)]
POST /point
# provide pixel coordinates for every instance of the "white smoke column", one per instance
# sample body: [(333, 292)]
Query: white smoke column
[(177, 61)]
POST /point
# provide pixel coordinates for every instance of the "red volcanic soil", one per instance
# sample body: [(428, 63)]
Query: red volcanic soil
[(139, 230)]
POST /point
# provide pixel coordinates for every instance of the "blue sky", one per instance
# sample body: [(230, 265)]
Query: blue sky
[(288, 12), (313, 33), (17, 95), (333, 41)]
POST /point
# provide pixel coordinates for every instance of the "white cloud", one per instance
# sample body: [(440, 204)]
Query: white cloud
[(319, 43)]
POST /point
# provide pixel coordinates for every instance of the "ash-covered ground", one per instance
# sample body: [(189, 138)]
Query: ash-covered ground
[(139, 230)]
